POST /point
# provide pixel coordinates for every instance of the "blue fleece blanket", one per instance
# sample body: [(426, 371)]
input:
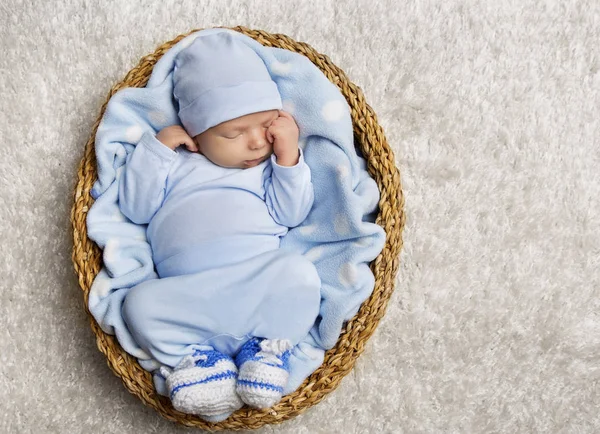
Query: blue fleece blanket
[(339, 235)]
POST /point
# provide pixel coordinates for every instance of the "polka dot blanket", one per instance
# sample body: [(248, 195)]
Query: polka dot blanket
[(339, 235)]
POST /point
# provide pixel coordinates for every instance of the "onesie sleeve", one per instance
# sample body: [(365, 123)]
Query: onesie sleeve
[(289, 192), (143, 181)]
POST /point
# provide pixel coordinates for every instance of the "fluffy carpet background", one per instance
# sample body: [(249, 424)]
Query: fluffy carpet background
[(492, 109)]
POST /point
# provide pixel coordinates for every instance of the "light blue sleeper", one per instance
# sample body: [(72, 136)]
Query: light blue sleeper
[(215, 236)]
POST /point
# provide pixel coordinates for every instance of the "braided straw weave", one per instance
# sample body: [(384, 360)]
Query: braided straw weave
[(340, 360)]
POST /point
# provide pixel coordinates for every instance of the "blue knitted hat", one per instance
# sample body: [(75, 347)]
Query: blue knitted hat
[(217, 79)]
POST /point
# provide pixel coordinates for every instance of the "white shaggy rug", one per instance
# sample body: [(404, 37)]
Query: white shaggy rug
[(492, 108)]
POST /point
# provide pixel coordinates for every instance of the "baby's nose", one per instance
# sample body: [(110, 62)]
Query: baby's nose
[(258, 140)]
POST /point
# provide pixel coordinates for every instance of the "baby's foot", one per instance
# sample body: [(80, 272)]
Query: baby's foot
[(263, 371), (204, 384)]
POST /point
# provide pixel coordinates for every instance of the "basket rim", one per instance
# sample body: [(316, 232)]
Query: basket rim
[(340, 360)]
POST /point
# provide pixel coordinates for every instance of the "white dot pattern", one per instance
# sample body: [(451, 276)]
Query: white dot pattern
[(111, 250), (307, 230), (363, 242), (101, 285), (288, 106), (341, 224), (315, 253), (281, 68), (158, 118), (348, 274), (333, 111), (133, 134), (343, 172)]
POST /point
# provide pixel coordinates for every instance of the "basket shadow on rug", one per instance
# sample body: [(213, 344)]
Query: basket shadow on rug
[(339, 361)]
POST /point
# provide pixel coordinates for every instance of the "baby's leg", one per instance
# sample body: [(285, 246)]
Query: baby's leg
[(291, 303), (170, 318), (203, 380), (289, 312)]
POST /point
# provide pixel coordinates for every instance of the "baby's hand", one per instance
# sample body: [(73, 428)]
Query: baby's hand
[(175, 136), (283, 134)]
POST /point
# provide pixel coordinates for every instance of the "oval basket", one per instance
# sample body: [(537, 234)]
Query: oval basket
[(340, 360)]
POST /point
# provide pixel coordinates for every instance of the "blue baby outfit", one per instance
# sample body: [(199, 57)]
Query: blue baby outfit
[(215, 235)]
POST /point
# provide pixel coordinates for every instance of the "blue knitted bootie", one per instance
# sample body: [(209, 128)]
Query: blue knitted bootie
[(263, 371), (204, 384)]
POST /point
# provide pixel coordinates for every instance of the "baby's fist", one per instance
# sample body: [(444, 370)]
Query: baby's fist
[(283, 133), (175, 136)]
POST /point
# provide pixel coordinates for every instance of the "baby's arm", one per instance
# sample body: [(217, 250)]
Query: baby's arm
[(143, 182), (289, 192)]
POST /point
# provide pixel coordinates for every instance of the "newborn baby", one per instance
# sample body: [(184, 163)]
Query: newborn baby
[(218, 194)]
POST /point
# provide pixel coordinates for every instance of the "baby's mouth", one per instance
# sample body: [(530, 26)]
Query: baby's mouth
[(256, 161)]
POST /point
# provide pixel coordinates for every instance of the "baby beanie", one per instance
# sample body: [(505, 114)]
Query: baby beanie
[(218, 78)]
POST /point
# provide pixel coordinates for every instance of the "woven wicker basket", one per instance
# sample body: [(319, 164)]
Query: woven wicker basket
[(340, 360)]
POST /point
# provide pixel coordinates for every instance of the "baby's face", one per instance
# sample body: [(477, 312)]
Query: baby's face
[(238, 143)]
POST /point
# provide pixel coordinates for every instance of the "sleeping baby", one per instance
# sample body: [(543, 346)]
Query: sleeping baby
[(217, 195)]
